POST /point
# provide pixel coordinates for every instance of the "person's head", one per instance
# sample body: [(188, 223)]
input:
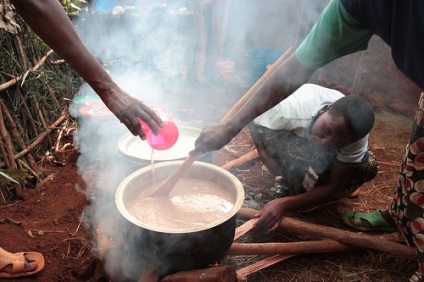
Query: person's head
[(342, 123)]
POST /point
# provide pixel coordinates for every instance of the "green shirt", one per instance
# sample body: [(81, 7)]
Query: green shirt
[(334, 35)]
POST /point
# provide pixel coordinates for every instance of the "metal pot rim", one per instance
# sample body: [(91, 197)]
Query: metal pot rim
[(238, 202)]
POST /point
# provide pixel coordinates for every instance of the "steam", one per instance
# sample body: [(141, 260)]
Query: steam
[(153, 52)]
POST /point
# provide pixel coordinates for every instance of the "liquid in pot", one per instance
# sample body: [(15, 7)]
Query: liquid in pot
[(192, 203)]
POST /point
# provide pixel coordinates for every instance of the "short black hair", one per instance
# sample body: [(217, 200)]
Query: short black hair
[(357, 113)]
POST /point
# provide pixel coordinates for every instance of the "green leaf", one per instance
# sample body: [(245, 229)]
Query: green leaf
[(12, 175)]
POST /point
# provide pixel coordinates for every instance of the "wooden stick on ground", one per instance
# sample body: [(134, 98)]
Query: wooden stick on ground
[(289, 248), (352, 238), (244, 228), (241, 160), (254, 267), (282, 251), (149, 275)]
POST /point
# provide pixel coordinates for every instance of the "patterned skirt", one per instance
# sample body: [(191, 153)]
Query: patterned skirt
[(407, 208)]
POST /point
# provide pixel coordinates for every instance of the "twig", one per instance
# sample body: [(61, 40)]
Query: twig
[(41, 137), (57, 62), (85, 245), (11, 221), (7, 141), (19, 78), (17, 136), (59, 138), (22, 163), (79, 224)]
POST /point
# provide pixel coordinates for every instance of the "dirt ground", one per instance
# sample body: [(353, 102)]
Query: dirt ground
[(49, 219)]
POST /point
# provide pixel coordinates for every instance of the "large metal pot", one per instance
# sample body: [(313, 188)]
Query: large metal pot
[(178, 249)]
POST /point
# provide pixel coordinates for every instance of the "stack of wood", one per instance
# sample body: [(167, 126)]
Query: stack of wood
[(35, 90), (329, 239)]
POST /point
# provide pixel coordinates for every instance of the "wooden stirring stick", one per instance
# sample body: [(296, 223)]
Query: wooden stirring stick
[(165, 187)]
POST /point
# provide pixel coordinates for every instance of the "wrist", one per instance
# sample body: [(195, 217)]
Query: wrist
[(233, 127), (103, 85)]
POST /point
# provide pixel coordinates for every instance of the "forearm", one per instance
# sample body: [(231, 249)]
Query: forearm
[(285, 79), (48, 19), (326, 192)]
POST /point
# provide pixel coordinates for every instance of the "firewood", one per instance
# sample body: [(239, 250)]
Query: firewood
[(241, 160), (149, 275), (352, 238), (243, 229), (289, 248), (254, 267)]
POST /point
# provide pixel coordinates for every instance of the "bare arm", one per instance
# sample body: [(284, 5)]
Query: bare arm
[(48, 19), (289, 76), (272, 213)]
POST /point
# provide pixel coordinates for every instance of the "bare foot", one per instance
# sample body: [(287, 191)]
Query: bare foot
[(30, 265)]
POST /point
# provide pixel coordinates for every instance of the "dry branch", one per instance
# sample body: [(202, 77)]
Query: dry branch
[(27, 167), (41, 137), (7, 141), (19, 78), (14, 131)]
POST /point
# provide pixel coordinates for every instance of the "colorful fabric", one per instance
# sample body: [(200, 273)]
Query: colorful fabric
[(407, 207)]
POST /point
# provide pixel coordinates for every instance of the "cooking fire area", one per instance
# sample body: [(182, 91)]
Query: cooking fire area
[(229, 249), (232, 251)]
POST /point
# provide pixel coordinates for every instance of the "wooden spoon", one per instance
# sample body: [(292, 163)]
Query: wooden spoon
[(165, 187)]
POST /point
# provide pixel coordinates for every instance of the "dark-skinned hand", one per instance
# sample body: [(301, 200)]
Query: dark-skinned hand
[(214, 137), (271, 215), (128, 109)]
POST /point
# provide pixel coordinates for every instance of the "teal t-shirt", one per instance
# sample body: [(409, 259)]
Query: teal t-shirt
[(334, 35)]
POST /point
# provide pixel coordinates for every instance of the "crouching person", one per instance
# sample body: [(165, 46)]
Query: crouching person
[(316, 143)]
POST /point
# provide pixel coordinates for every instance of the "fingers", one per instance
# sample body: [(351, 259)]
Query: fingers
[(259, 214), (151, 118), (133, 126), (135, 110), (206, 142), (267, 221), (275, 227), (198, 146), (129, 110)]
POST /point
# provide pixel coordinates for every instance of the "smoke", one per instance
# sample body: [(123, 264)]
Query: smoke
[(154, 50)]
